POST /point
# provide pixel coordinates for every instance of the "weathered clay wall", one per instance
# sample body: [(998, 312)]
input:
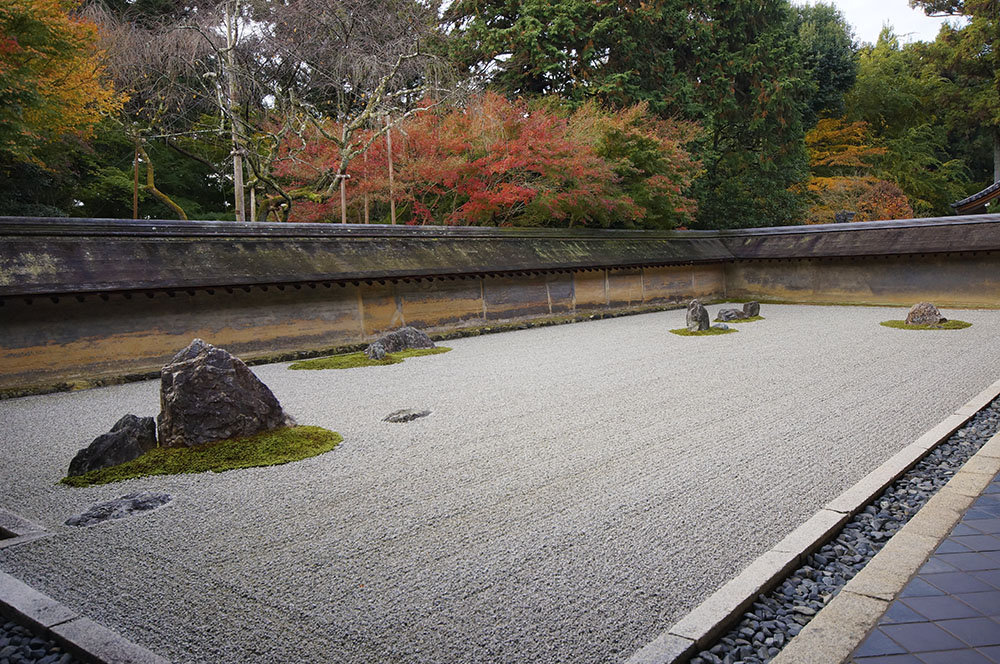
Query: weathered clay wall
[(84, 300), (46, 341), (948, 280)]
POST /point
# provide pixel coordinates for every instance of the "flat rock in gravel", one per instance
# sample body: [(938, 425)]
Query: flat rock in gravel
[(731, 314), (697, 317), (402, 339), (406, 415), (751, 309), (129, 438), (120, 507), (924, 313), (207, 394)]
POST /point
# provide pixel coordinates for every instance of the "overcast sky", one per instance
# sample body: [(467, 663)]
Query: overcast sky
[(868, 17)]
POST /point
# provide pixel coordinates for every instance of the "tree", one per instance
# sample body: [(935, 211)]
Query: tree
[(620, 53), (499, 162), (829, 55), (52, 80), (970, 56), (900, 96), (757, 90)]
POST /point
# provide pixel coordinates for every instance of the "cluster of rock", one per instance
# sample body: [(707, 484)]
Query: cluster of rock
[(401, 339), (698, 319), (925, 313), (206, 394)]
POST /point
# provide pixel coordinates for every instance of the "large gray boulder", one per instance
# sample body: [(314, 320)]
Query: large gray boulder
[(401, 339), (206, 394), (751, 309), (129, 438), (697, 317), (925, 313)]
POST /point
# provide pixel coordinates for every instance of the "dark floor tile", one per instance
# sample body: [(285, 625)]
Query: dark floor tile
[(989, 526), (967, 562), (887, 659), (976, 514), (974, 631), (956, 582), (921, 588), (993, 488), (901, 613), (965, 529), (878, 644), (954, 545), (993, 652), (993, 555), (987, 603), (966, 656), (941, 608), (976, 542), (991, 577), (987, 499), (922, 637), (937, 565)]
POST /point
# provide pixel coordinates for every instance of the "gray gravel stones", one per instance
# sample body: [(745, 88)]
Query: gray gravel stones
[(120, 507), (577, 489), (780, 615), (18, 644)]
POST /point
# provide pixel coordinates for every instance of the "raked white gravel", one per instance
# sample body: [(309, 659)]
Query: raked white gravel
[(575, 490)]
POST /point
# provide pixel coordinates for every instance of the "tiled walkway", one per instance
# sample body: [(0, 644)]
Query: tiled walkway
[(949, 613)]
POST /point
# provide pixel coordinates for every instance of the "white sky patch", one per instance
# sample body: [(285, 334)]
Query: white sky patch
[(868, 16)]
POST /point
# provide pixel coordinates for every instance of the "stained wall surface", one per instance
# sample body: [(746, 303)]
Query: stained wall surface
[(98, 299)]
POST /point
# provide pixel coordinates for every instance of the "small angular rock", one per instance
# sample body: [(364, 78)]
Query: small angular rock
[(697, 317), (129, 438), (406, 415), (401, 339), (206, 394), (751, 309), (925, 313)]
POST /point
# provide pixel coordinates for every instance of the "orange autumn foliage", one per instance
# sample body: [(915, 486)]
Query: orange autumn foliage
[(842, 157), (52, 81)]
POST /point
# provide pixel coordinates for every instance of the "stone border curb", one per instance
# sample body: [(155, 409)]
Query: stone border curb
[(709, 620), (16, 530), (836, 631), (80, 636)]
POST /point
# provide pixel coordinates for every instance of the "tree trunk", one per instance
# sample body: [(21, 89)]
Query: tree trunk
[(392, 195), (135, 184), (343, 199), (996, 155), (230, 102), (151, 187)]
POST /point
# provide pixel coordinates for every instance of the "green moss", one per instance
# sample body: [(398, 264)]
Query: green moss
[(752, 319), (947, 325), (269, 448), (710, 332), (352, 360)]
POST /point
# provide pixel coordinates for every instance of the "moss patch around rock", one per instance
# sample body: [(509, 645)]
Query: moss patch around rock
[(352, 360), (752, 319), (710, 332), (947, 325), (269, 448)]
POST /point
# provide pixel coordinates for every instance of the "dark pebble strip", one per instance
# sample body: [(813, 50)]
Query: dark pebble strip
[(778, 616), (19, 645)]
